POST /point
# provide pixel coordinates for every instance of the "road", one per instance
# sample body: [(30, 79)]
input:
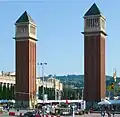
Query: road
[(86, 115)]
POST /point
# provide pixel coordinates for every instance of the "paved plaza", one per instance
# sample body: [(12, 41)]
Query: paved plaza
[(86, 115)]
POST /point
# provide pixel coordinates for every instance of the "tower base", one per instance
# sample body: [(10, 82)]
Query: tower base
[(91, 104), (24, 104)]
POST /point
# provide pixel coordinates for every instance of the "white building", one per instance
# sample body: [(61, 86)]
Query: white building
[(8, 78)]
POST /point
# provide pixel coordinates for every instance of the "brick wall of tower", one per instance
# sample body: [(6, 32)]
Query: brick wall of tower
[(102, 64), (25, 69), (94, 67), (32, 67), (22, 70)]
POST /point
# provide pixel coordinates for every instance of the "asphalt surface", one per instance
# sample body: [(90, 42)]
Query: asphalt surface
[(86, 115)]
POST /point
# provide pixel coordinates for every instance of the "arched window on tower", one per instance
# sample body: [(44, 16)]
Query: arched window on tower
[(22, 29), (87, 23), (32, 30), (103, 24), (96, 22)]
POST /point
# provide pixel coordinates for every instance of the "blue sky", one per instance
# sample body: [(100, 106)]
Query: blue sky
[(59, 23)]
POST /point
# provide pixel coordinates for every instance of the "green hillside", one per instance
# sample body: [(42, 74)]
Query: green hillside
[(78, 80)]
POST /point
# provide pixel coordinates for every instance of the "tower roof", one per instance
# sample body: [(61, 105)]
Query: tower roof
[(25, 17), (94, 10)]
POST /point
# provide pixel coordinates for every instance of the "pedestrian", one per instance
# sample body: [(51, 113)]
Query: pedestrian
[(17, 110), (8, 109), (102, 113), (109, 114), (113, 114)]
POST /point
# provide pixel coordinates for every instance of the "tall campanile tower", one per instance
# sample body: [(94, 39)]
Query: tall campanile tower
[(94, 55), (25, 39)]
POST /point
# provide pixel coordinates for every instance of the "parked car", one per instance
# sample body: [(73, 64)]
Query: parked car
[(31, 114)]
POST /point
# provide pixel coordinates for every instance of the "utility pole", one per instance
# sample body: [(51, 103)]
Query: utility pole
[(82, 94), (55, 88), (59, 91)]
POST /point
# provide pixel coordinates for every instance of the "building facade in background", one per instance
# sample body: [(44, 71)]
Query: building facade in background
[(7, 80), (94, 55)]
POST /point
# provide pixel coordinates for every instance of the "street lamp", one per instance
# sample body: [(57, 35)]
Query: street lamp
[(42, 64), (59, 91), (82, 93)]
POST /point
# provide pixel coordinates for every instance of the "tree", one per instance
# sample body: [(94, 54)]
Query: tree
[(8, 92), (45, 90), (53, 94), (40, 92), (72, 95), (65, 92), (1, 91), (50, 94), (112, 85), (4, 92), (12, 92)]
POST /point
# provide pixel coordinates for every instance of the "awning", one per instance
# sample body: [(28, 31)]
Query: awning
[(3, 101), (104, 102), (114, 101)]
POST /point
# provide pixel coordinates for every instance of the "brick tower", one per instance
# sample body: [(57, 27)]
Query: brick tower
[(25, 41), (94, 55)]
